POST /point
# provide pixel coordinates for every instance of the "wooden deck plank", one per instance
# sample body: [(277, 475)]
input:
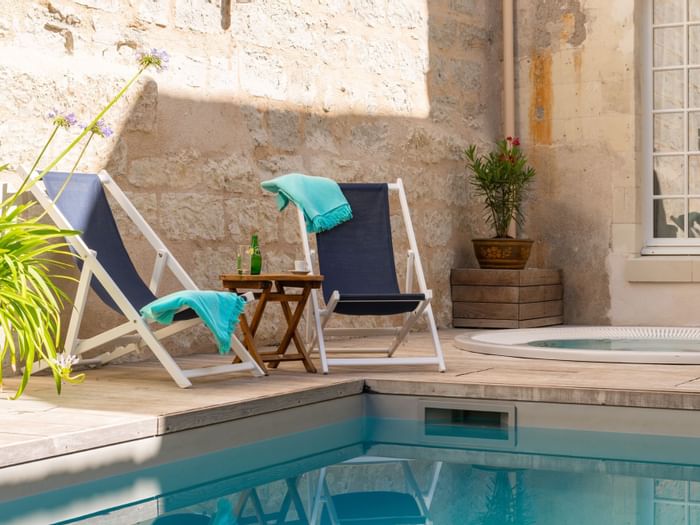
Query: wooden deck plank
[(135, 400)]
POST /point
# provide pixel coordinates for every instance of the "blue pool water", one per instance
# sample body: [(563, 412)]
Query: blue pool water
[(622, 344), (371, 471)]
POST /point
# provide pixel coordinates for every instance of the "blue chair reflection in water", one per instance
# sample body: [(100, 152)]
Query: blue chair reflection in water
[(107, 267), (183, 519), (222, 516), (259, 516), (386, 507)]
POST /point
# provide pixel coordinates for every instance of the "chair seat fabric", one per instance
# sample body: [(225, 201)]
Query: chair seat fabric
[(183, 315), (375, 508), (85, 205), (378, 304)]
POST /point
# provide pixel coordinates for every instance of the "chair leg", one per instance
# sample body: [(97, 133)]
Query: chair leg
[(319, 333), (79, 307), (118, 352), (436, 339), (413, 488), (245, 356), (325, 316), (408, 323), (162, 355), (323, 498)]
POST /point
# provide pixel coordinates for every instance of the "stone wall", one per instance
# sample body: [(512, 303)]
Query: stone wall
[(580, 77), (358, 91), (577, 109)]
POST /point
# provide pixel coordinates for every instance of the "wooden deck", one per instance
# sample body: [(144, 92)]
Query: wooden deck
[(125, 402)]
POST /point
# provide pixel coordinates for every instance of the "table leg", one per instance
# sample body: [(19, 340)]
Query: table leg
[(292, 323), (249, 343), (260, 308), (249, 331)]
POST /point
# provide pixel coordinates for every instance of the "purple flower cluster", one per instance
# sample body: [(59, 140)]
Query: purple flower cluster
[(158, 58), (62, 119), (100, 128)]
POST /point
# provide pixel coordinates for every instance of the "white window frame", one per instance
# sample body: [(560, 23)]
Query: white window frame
[(657, 245)]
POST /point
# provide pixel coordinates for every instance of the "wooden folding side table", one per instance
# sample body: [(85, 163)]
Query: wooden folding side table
[(272, 287)]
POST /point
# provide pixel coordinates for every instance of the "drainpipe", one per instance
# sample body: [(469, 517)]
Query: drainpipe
[(508, 82), (508, 71)]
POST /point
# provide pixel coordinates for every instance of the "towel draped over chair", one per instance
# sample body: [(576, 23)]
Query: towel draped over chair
[(78, 202)]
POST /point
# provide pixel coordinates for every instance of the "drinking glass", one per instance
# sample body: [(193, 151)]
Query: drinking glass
[(243, 259)]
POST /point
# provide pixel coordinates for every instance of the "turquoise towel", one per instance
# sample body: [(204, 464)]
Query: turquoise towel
[(224, 513), (320, 199), (218, 310)]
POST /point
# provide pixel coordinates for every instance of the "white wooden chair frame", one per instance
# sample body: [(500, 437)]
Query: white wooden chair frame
[(324, 498), (321, 316), (135, 325)]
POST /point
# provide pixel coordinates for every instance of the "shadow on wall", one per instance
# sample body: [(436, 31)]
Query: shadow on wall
[(193, 166)]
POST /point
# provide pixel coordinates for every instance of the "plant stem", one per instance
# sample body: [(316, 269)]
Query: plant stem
[(87, 128), (70, 174), (36, 162)]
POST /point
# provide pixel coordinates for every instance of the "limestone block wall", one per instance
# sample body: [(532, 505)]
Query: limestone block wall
[(365, 90), (580, 74), (577, 67)]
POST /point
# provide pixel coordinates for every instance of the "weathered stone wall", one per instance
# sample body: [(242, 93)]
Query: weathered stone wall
[(577, 105), (580, 79), (362, 90)]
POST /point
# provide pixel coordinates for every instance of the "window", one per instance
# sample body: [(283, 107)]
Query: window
[(673, 138), (676, 501)]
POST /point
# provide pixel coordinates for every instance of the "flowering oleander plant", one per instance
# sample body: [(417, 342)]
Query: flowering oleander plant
[(30, 298), (501, 177)]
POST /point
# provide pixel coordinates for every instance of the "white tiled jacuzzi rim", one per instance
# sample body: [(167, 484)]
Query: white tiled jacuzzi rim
[(515, 343)]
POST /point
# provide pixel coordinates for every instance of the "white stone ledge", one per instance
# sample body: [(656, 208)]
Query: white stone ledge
[(669, 269)]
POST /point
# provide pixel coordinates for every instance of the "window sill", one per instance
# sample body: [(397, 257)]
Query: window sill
[(663, 269)]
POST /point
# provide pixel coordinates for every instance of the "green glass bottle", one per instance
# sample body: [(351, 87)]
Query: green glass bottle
[(255, 256)]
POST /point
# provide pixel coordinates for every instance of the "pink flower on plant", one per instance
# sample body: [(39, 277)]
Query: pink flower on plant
[(516, 141)]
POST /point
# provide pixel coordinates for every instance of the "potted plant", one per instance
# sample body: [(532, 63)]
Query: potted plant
[(501, 177)]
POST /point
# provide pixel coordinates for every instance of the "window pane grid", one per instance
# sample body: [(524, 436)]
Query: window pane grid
[(675, 75)]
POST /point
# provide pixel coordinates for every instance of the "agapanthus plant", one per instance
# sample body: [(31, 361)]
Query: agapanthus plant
[(156, 58), (30, 299)]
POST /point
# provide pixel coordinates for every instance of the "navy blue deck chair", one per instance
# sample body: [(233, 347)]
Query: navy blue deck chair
[(106, 267), (356, 259)]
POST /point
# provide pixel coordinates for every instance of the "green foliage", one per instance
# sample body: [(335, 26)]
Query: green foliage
[(30, 300), (501, 178), (506, 504)]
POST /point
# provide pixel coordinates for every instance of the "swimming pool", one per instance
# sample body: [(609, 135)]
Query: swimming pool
[(614, 344), (465, 462)]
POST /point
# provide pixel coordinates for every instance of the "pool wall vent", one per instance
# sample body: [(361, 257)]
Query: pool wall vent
[(456, 422)]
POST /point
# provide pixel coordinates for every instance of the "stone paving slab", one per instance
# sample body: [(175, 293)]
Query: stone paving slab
[(131, 401)]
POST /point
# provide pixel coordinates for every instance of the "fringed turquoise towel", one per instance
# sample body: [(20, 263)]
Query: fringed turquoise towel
[(218, 310), (320, 199)]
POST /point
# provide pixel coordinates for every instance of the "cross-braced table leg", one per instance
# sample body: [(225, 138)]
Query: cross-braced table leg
[(293, 319)]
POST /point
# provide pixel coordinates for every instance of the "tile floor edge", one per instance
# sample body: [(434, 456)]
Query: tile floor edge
[(543, 394), (154, 426)]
